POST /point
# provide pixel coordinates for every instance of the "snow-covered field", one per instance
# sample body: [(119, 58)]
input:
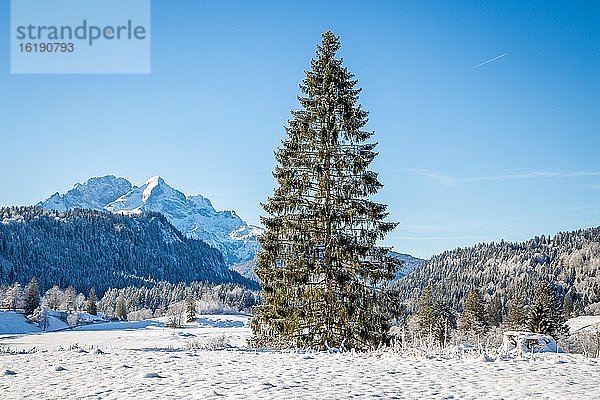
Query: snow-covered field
[(148, 361)]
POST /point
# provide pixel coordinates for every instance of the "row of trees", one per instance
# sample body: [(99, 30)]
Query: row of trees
[(179, 302), (14, 297), (437, 320), (147, 302)]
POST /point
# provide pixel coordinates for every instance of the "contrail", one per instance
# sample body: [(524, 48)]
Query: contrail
[(490, 60)]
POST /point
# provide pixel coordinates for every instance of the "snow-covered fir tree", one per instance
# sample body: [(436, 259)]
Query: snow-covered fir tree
[(190, 307), (121, 308), (53, 298), (69, 302), (80, 302), (473, 318), (323, 277), (435, 319), (13, 297), (91, 306), (545, 315), (32, 296)]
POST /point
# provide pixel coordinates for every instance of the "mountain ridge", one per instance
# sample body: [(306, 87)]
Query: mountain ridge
[(193, 215), (505, 271), (409, 263), (92, 194)]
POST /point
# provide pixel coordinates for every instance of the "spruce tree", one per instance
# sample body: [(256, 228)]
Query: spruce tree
[(435, 319), (323, 277), (69, 299), (516, 319), (538, 320), (426, 312), (32, 296), (121, 308), (473, 318), (568, 306), (545, 315), (91, 306), (190, 307), (495, 311)]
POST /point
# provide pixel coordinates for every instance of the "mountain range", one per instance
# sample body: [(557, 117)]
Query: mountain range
[(194, 216)]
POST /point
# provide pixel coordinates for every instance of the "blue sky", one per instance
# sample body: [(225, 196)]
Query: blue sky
[(508, 150)]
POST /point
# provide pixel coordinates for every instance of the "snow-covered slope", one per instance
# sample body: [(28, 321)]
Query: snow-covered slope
[(16, 323), (246, 269), (194, 216), (589, 323)]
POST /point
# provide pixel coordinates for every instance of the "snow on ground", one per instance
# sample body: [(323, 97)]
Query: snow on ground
[(583, 323), (12, 322), (139, 335), (146, 360)]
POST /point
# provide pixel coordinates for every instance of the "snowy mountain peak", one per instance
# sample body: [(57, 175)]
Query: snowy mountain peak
[(155, 180), (92, 194), (149, 185), (154, 195), (194, 216)]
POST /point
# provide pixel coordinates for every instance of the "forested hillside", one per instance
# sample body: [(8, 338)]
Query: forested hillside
[(506, 271), (86, 248)]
